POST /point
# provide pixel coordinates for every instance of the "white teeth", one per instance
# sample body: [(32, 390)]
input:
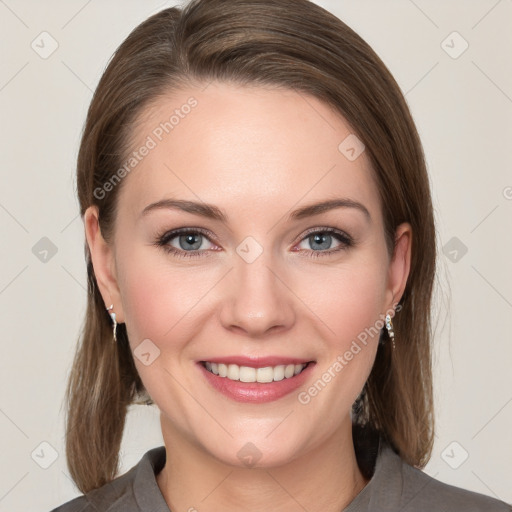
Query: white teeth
[(233, 372), (279, 372), (223, 370), (249, 374), (264, 374), (289, 370)]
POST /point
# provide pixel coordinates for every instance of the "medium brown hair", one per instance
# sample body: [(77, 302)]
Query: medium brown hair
[(293, 44)]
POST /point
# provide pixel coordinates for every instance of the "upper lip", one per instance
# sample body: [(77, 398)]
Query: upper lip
[(257, 362)]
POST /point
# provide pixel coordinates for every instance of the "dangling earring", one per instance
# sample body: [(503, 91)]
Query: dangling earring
[(113, 316), (389, 327)]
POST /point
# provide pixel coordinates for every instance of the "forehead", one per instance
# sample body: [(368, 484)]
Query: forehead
[(245, 147)]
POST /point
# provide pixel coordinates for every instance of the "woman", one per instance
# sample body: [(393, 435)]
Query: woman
[(260, 249)]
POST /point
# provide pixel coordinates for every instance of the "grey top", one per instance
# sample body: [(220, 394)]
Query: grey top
[(393, 486)]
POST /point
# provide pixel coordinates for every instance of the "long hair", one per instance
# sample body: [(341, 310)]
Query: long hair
[(293, 44)]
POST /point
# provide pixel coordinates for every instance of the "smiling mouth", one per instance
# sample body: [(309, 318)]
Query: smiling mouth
[(249, 374)]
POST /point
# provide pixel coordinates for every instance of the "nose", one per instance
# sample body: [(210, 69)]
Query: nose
[(256, 300)]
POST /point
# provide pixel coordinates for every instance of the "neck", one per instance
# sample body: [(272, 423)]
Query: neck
[(325, 479)]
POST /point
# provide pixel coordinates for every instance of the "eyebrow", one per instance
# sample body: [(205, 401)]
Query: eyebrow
[(213, 212)]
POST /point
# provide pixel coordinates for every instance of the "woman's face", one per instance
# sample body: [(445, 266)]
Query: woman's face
[(253, 281)]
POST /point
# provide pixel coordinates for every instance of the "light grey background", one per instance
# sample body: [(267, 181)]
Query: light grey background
[(463, 110)]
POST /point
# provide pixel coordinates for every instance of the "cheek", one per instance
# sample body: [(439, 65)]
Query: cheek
[(350, 310), (159, 299), (144, 302), (350, 302), (159, 304)]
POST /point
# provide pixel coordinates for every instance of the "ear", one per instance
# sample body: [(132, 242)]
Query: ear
[(400, 265), (103, 261)]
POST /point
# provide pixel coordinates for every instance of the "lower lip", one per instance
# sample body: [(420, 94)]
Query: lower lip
[(256, 392)]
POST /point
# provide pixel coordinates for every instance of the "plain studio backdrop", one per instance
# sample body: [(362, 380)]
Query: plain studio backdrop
[(451, 60)]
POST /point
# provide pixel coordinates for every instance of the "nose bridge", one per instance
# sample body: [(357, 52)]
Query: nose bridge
[(257, 300)]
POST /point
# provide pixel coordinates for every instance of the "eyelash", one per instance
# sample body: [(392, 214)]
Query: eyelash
[(163, 240)]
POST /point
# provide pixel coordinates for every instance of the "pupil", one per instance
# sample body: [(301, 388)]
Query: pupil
[(321, 239), (189, 241)]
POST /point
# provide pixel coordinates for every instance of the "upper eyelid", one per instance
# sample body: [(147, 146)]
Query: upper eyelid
[(327, 230)]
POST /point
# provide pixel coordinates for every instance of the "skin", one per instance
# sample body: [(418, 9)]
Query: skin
[(257, 154)]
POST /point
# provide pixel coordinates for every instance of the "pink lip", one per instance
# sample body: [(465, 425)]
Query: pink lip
[(257, 362), (256, 392)]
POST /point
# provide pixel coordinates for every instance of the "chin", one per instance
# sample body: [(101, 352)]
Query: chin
[(259, 453)]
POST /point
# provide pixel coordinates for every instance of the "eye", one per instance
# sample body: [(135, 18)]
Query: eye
[(321, 241), (184, 242), (193, 242)]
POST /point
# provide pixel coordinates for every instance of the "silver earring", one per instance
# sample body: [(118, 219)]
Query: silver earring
[(389, 327), (113, 316)]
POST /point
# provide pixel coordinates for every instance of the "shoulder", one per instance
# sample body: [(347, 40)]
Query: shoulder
[(125, 493), (110, 496), (421, 492), (79, 504)]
